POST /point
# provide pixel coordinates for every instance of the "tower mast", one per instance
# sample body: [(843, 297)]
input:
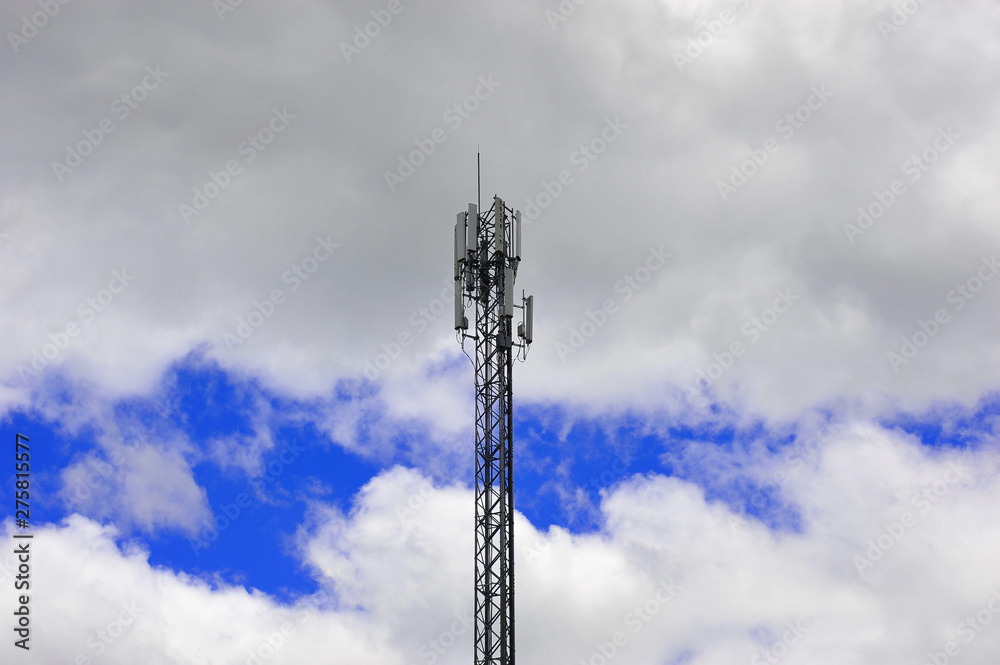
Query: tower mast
[(487, 254)]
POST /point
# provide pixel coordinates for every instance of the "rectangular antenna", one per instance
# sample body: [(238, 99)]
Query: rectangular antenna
[(459, 244), (461, 323), (508, 292), (473, 226), (517, 235), (529, 307), (498, 215)]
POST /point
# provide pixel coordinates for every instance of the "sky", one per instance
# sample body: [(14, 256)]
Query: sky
[(759, 419)]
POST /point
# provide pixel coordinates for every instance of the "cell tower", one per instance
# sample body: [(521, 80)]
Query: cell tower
[(487, 253)]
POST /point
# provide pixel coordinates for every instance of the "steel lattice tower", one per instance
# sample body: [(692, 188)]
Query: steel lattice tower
[(487, 253)]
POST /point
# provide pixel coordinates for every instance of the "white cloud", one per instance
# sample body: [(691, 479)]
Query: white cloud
[(398, 568), (144, 485)]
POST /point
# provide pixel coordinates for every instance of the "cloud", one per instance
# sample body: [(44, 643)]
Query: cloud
[(141, 485), (194, 283), (816, 177), (394, 572)]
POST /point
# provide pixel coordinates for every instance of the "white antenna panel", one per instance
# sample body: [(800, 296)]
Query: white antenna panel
[(498, 215), (459, 244), (508, 292), (461, 323), (473, 226), (529, 307), (517, 235)]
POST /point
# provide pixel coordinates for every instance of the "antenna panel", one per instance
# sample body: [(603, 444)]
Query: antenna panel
[(529, 307), (459, 244), (473, 226), (461, 323), (498, 219), (508, 292), (517, 235)]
